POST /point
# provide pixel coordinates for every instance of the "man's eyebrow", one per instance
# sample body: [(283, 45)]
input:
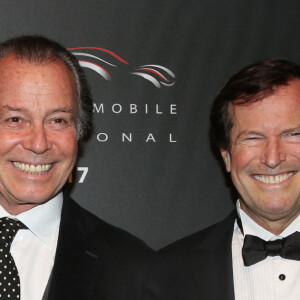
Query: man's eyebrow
[(246, 132), (65, 109), (249, 132), (289, 130), (12, 108)]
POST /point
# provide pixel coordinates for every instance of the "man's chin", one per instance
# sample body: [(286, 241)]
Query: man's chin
[(21, 202)]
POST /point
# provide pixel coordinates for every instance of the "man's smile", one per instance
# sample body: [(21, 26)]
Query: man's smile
[(273, 178), (32, 169)]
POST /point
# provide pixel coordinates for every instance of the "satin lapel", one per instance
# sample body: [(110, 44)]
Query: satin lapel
[(78, 261), (215, 281)]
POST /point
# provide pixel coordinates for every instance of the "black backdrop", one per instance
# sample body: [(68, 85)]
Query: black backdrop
[(165, 183)]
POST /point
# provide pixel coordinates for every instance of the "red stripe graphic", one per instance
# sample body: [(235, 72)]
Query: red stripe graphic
[(153, 71), (104, 50)]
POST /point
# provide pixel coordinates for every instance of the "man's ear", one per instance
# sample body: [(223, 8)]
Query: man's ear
[(227, 160)]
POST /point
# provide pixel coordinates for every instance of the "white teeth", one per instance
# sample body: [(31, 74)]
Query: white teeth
[(273, 179), (32, 169)]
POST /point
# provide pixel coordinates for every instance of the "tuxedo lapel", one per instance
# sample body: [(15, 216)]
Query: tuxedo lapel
[(46, 292), (215, 280), (78, 261)]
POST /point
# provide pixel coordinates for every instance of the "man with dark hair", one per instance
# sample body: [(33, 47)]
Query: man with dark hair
[(50, 248), (255, 252)]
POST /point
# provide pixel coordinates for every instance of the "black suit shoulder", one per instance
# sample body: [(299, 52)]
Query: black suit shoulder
[(196, 262), (94, 227), (199, 240), (121, 246), (103, 261)]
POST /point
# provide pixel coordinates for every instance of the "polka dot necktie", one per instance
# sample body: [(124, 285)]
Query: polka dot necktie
[(9, 277)]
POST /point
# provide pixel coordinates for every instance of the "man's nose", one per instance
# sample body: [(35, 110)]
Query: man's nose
[(36, 139), (273, 153)]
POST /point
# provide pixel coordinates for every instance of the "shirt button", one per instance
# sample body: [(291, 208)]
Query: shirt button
[(282, 277)]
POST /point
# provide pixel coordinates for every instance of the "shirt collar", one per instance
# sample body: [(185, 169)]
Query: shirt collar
[(252, 228), (43, 220)]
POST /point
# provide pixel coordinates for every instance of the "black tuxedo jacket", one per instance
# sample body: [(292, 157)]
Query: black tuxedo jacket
[(95, 260), (200, 266)]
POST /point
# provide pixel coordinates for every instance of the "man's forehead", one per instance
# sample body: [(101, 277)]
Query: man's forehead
[(234, 108), (36, 78), (277, 110), (16, 65)]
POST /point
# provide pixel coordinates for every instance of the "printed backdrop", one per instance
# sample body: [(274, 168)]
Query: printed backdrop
[(154, 68)]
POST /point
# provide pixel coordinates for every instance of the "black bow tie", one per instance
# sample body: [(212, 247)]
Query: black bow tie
[(255, 249)]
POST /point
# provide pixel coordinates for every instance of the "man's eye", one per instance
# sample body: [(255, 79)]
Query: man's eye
[(59, 121), (13, 122), (14, 119), (293, 137), (252, 141)]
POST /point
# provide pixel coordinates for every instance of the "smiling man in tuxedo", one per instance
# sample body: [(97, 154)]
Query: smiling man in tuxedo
[(255, 252), (50, 248)]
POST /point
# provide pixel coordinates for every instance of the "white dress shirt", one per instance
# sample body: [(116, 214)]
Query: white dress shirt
[(274, 278), (33, 249)]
